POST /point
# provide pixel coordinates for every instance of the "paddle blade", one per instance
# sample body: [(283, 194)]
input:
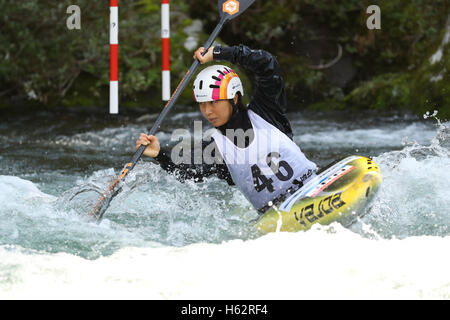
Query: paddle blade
[(103, 202), (230, 9)]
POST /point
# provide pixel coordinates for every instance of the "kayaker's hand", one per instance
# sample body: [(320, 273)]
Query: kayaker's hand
[(207, 57), (152, 144)]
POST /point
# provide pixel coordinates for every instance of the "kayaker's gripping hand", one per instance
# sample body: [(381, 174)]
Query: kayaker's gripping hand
[(152, 144), (209, 56)]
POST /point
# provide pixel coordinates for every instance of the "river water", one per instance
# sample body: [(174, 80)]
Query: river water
[(166, 239)]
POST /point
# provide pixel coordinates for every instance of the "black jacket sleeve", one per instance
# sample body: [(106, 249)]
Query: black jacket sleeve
[(192, 170), (269, 94)]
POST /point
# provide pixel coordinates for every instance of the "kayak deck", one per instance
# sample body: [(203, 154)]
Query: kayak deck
[(339, 193)]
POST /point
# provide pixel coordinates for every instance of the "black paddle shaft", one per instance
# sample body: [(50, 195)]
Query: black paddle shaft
[(229, 9)]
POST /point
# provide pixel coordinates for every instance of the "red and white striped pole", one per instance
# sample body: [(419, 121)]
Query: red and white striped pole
[(165, 35), (114, 58)]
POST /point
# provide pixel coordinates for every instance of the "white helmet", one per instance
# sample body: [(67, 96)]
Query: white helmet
[(217, 83)]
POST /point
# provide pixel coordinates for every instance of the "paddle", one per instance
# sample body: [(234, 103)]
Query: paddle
[(229, 9)]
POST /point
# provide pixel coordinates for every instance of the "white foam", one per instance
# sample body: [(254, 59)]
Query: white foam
[(16, 190), (318, 264)]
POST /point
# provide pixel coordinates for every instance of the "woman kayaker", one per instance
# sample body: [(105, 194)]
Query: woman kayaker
[(253, 142)]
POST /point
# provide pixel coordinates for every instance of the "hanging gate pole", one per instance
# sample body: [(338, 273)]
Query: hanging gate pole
[(165, 41), (114, 57)]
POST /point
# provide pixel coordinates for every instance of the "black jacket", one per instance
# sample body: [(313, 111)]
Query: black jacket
[(268, 101)]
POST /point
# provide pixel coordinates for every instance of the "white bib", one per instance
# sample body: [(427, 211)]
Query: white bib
[(270, 165)]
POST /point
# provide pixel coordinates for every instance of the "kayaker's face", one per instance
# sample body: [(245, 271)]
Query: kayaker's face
[(217, 112)]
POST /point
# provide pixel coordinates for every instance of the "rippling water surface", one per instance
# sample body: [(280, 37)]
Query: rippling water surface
[(162, 238)]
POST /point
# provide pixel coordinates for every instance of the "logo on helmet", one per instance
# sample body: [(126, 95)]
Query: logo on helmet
[(231, 7)]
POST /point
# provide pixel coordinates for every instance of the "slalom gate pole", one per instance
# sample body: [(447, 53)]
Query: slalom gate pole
[(114, 57), (165, 42)]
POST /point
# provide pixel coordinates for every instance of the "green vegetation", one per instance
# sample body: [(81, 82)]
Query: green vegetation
[(42, 63)]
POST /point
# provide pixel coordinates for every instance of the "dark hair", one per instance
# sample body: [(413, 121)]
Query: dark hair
[(239, 106)]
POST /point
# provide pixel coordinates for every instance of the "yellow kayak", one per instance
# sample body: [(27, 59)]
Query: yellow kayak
[(338, 193)]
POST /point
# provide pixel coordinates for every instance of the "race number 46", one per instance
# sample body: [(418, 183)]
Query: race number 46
[(261, 182)]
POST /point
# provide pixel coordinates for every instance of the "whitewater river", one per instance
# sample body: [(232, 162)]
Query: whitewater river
[(164, 239)]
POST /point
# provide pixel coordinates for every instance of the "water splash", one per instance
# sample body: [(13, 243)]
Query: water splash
[(414, 197), (83, 197)]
